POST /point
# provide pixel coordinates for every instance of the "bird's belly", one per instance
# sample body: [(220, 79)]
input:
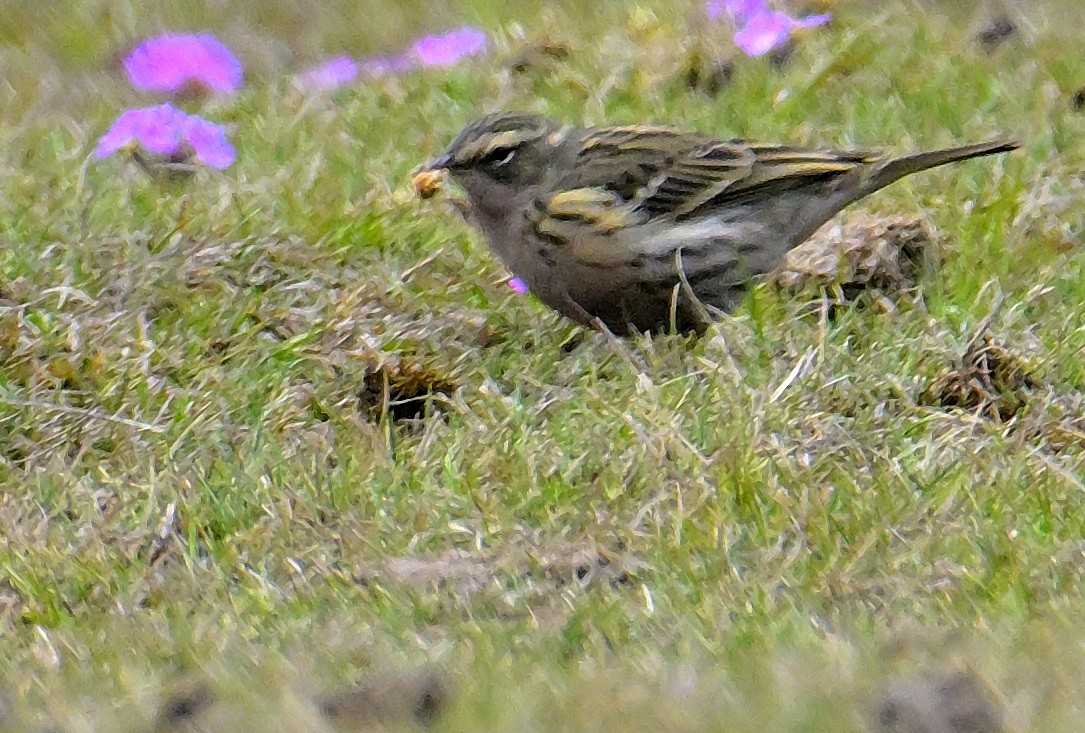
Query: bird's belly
[(656, 258), (642, 283)]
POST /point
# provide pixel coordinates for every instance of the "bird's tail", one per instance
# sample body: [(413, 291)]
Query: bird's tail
[(893, 170)]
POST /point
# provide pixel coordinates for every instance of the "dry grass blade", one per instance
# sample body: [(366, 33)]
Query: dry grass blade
[(82, 412)]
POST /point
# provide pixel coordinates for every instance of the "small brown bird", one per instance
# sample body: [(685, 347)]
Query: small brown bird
[(651, 228)]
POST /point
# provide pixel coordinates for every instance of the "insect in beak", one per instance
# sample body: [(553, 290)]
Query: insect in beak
[(429, 178)]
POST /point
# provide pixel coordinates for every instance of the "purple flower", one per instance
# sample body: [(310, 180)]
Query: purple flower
[(440, 50), (518, 286), (768, 30), (448, 48), (332, 73), (762, 30), (166, 130), (208, 142), (157, 129), (173, 63)]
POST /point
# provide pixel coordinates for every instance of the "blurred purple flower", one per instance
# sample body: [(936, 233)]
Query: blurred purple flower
[(766, 31), (439, 50), (208, 142), (448, 48), (518, 286), (762, 30), (172, 63), (332, 73), (157, 129), (166, 130)]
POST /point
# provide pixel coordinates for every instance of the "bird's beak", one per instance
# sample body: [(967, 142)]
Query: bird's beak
[(437, 164), (430, 176)]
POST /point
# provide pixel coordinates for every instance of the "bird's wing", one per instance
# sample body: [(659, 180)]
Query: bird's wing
[(720, 173), (625, 176), (665, 172)]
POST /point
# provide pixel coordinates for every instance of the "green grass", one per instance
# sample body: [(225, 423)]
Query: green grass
[(193, 477)]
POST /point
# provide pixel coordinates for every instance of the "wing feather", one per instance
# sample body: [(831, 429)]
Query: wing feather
[(623, 176)]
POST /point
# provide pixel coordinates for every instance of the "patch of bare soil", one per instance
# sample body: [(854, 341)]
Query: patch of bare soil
[(989, 380), (861, 252), (401, 389), (958, 702), (417, 696), (995, 30)]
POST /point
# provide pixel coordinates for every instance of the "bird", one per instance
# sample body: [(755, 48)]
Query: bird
[(652, 229)]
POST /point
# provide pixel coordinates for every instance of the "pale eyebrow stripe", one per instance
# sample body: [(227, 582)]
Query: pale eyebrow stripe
[(507, 139)]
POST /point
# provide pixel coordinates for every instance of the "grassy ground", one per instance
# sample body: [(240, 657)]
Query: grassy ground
[(757, 531)]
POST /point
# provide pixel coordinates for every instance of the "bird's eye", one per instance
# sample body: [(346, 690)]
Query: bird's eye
[(499, 157)]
